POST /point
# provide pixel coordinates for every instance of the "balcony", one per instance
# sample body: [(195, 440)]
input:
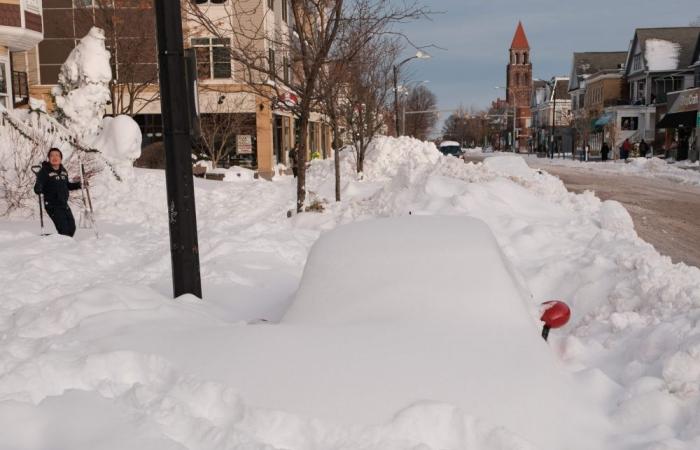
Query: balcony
[(21, 26)]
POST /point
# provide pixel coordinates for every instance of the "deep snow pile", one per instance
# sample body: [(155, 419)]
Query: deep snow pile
[(94, 354)]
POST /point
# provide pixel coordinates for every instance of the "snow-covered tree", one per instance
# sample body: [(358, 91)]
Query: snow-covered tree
[(82, 92)]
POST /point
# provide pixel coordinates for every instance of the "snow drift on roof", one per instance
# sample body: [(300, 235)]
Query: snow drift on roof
[(662, 55)]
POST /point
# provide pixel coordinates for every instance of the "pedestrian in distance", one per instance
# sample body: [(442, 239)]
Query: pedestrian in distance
[(52, 182), (625, 149), (293, 161), (604, 151), (643, 148)]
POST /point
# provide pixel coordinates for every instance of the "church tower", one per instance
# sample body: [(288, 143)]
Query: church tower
[(519, 82)]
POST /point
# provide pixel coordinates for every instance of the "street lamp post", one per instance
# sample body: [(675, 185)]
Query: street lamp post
[(184, 249), (553, 86), (419, 55)]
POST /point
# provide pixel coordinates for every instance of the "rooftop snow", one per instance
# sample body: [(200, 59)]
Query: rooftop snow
[(662, 55)]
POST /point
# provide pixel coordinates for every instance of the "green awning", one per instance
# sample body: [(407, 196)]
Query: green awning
[(603, 120)]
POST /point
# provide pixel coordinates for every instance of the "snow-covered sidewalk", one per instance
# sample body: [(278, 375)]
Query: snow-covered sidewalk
[(95, 355)]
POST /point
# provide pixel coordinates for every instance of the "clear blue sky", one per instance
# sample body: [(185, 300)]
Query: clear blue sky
[(476, 35)]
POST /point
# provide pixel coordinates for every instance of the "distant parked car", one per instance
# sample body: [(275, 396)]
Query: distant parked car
[(451, 148)]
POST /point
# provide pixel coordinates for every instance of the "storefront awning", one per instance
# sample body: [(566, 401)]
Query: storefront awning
[(684, 101), (683, 107), (676, 120), (602, 120)]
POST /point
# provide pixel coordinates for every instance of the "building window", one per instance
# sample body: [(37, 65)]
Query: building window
[(286, 70), (4, 88), (271, 4), (213, 58), (629, 123), (271, 58), (284, 10), (697, 77), (637, 62), (525, 58)]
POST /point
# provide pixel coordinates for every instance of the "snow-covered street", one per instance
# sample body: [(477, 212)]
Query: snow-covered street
[(664, 202), (91, 340)]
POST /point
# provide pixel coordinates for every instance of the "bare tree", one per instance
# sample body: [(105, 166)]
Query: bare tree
[(332, 87), (420, 125), (129, 27), (286, 61), (368, 87), (467, 128)]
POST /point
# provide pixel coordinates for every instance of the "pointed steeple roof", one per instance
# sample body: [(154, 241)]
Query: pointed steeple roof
[(520, 40)]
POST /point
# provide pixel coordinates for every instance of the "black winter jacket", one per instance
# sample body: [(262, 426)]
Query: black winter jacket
[(54, 185)]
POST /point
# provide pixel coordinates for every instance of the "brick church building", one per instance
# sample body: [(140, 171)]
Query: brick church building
[(519, 85)]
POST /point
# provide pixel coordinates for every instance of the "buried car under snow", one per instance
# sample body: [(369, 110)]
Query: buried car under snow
[(428, 308), (451, 148)]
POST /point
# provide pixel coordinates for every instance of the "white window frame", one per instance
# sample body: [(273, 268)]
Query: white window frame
[(210, 46), (6, 97)]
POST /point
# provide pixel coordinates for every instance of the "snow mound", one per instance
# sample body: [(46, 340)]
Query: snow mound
[(119, 142), (236, 173), (509, 165), (615, 218), (413, 280), (386, 156)]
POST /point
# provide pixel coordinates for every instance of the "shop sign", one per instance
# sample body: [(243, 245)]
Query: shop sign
[(684, 101), (244, 144)]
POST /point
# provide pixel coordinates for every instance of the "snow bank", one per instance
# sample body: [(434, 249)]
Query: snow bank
[(90, 332), (662, 55)]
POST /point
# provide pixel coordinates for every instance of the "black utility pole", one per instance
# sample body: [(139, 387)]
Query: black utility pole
[(184, 249)]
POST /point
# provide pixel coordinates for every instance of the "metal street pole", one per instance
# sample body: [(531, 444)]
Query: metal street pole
[(419, 55), (514, 123), (396, 100), (554, 114), (184, 249)]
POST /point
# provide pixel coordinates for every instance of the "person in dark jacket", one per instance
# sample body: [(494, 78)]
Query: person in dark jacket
[(52, 181), (643, 148), (293, 161), (605, 151)]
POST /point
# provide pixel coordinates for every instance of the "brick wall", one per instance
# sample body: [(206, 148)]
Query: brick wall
[(32, 21), (10, 15)]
